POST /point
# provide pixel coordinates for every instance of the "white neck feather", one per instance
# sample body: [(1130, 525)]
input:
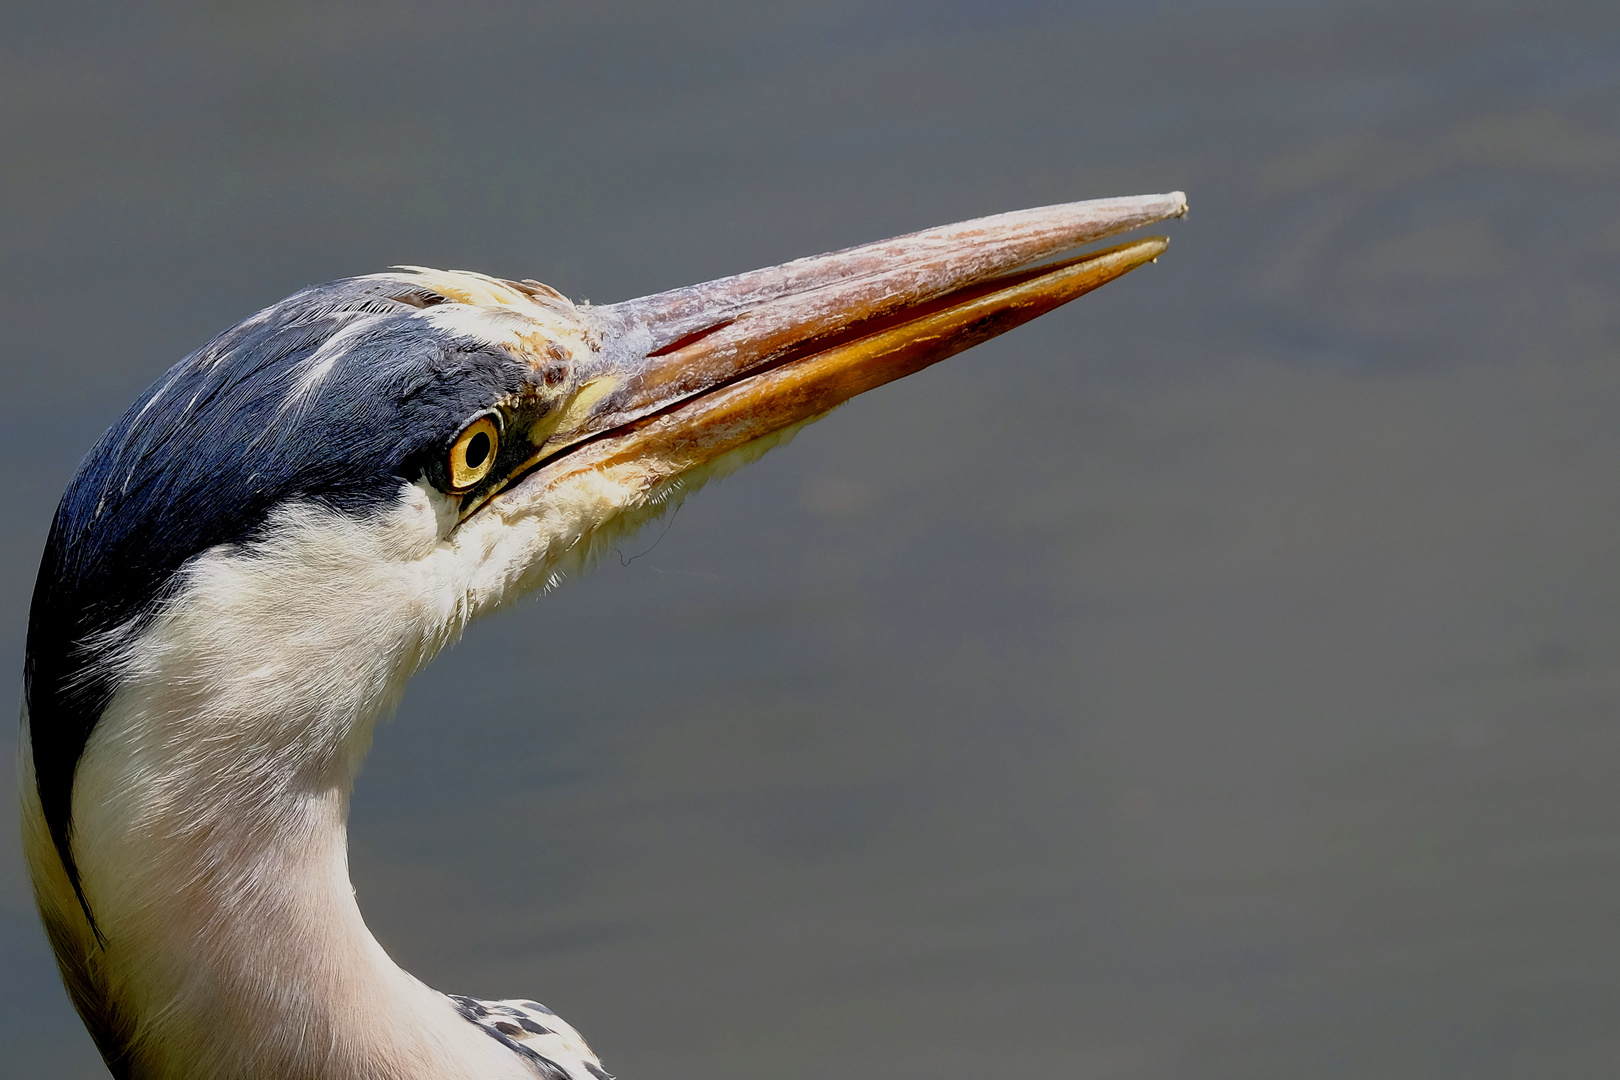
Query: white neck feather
[(209, 805), (251, 960), (210, 815)]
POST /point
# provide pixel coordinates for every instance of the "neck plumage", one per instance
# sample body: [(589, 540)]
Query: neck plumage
[(209, 823), (233, 946)]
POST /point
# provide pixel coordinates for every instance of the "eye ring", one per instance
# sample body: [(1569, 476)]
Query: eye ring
[(472, 455)]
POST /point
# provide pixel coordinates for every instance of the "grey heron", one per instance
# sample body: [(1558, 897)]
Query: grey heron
[(292, 520)]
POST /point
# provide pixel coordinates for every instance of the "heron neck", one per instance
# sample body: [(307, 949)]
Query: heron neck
[(210, 812), (234, 946)]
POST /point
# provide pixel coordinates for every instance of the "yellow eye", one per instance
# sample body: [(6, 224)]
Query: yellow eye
[(472, 455)]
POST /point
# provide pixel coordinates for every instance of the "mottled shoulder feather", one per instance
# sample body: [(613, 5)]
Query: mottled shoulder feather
[(536, 1034)]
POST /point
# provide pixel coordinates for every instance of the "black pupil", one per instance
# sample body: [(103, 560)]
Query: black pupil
[(477, 449)]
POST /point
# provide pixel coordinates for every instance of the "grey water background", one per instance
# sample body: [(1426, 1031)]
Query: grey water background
[(1216, 678)]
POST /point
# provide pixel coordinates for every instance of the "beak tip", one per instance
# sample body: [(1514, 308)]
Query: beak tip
[(1172, 205)]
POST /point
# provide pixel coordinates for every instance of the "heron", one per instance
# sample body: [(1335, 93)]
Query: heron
[(251, 562)]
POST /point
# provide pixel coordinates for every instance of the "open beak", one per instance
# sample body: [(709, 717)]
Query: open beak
[(683, 377)]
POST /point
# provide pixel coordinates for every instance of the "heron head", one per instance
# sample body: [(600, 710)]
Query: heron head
[(294, 518)]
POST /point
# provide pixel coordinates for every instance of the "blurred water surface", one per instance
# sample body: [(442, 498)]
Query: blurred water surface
[(1217, 678)]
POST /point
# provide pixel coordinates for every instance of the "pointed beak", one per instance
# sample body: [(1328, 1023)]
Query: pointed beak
[(682, 377)]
